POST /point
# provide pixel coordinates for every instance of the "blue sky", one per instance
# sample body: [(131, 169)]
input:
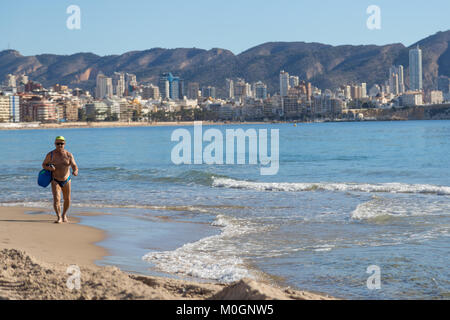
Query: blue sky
[(115, 27)]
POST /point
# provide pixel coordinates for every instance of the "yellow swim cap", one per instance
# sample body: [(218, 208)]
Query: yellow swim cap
[(60, 138)]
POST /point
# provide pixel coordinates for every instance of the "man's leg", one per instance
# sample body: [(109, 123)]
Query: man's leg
[(66, 195), (56, 190)]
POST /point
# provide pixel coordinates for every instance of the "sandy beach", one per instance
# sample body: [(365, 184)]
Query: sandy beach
[(35, 254)]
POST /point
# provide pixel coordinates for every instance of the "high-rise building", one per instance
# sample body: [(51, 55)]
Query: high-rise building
[(249, 90), (11, 81), (164, 87), (150, 92), (415, 69), (229, 88), (4, 109), (10, 108), (363, 90), (284, 83), (401, 79), (241, 89), (70, 110), (104, 87), (356, 92), (45, 111), (14, 108), (348, 92), (170, 86), (209, 92), (130, 79), (396, 80), (192, 90), (174, 88), (294, 81), (22, 79), (118, 80), (260, 90)]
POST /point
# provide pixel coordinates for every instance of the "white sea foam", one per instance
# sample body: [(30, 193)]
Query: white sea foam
[(324, 247), (212, 258), (379, 207), (393, 187), (27, 204), (48, 204)]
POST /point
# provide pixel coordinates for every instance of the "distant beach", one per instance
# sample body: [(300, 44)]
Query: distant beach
[(116, 124)]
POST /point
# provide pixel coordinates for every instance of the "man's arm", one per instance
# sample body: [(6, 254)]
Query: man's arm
[(47, 160), (73, 164)]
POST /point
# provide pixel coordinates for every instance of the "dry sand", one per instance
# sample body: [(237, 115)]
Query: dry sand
[(39, 236), (35, 254)]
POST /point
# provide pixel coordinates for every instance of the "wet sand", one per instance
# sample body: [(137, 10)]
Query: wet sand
[(35, 254)]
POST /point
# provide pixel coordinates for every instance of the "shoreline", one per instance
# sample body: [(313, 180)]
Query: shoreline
[(117, 124), (36, 252)]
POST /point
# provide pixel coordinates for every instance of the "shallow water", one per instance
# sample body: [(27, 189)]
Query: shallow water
[(347, 196)]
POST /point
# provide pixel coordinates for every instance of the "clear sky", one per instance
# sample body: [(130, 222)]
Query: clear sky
[(114, 27)]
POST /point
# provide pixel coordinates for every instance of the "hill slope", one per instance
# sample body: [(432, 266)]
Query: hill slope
[(325, 66)]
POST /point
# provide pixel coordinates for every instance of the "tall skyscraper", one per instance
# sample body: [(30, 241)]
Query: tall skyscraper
[(396, 80), (170, 86), (164, 86), (174, 88), (284, 83), (415, 69), (363, 90), (356, 91)]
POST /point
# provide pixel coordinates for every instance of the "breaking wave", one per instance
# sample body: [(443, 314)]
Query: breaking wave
[(393, 187)]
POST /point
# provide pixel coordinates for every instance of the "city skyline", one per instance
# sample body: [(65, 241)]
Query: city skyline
[(210, 25)]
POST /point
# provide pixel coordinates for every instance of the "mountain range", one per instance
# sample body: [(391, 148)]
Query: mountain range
[(325, 66)]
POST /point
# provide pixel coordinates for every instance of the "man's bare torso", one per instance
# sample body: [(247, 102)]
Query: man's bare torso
[(62, 162)]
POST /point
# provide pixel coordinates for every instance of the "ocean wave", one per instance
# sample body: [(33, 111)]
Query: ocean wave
[(393, 187), (191, 176), (380, 209), (212, 258)]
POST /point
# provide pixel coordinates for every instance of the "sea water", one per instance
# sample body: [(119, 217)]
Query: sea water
[(347, 196)]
